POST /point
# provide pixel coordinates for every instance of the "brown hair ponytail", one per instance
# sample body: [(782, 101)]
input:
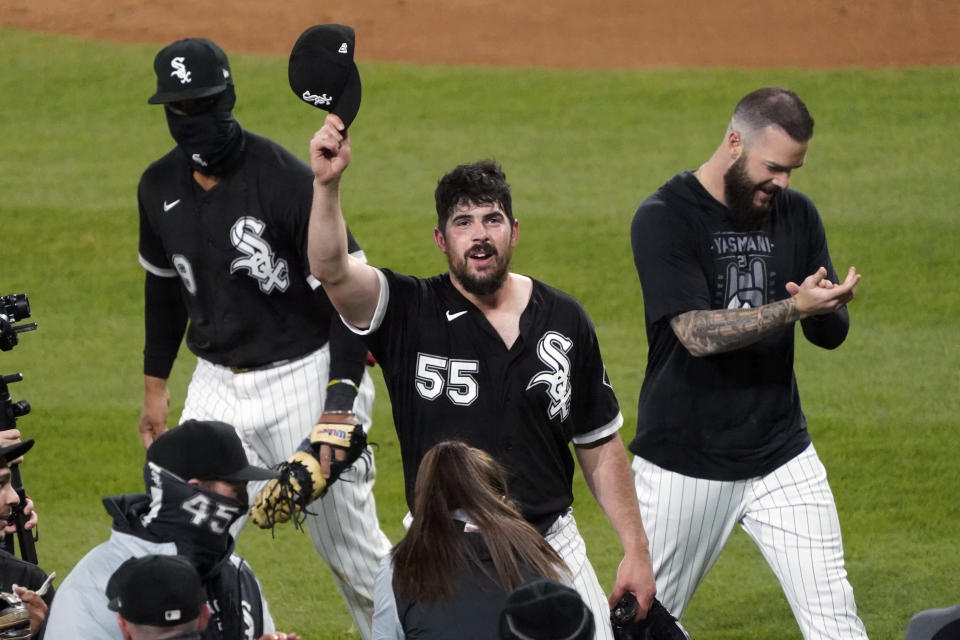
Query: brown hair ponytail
[(426, 562)]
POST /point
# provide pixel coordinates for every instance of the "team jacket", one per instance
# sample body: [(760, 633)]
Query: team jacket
[(80, 607)]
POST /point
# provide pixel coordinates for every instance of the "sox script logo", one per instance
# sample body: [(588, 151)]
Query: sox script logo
[(552, 351), (322, 99), (248, 623), (260, 261), (180, 69)]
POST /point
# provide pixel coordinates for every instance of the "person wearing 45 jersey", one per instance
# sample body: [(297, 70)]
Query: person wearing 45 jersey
[(492, 358), (223, 231)]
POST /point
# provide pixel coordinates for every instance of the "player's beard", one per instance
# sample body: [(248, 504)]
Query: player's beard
[(487, 283), (739, 191)]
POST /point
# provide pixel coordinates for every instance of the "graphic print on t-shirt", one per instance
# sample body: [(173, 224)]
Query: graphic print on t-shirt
[(743, 276)]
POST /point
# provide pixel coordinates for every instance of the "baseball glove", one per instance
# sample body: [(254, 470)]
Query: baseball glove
[(301, 478), (658, 625)]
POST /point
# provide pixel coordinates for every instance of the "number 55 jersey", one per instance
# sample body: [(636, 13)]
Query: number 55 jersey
[(451, 377)]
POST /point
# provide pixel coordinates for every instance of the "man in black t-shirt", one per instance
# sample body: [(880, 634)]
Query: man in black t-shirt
[(223, 232), (721, 438), (489, 357)]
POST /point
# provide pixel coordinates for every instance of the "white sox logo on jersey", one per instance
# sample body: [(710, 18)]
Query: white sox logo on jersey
[(248, 623), (180, 69), (246, 610), (552, 351), (260, 261)]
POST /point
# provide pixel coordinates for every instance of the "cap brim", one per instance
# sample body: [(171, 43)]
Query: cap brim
[(165, 97), (251, 472), (14, 451), (349, 103)]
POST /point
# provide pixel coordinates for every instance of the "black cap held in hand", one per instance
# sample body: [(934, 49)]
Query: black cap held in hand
[(190, 69), (205, 450), (322, 71), (156, 590), (546, 610)]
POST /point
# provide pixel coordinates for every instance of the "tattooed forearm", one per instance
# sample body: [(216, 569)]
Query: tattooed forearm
[(705, 333)]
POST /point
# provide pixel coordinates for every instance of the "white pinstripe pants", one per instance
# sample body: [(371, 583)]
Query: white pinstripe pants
[(565, 538), (790, 514), (273, 410)]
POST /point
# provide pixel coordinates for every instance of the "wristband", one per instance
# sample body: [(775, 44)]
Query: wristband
[(340, 396)]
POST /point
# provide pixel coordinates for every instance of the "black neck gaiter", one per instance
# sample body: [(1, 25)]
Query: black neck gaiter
[(212, 141), (196, 519)]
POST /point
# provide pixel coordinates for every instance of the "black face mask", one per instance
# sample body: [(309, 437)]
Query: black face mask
[(212, 140), (196, 519)]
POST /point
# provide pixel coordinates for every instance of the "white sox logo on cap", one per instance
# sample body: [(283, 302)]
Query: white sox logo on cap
[(180, 69), (322, 71), (317, 101)]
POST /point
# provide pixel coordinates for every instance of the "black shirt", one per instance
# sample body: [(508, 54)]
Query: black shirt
[(13, 571), (240, 252), (472, 613), (450, 376), (732, 415)]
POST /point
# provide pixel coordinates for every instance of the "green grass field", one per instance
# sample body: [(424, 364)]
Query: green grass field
[(581, 150)]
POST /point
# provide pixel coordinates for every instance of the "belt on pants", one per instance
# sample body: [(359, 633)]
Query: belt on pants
[(269, 365)]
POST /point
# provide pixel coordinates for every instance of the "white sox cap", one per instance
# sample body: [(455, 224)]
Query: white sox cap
[(322, 71), (189, 69)]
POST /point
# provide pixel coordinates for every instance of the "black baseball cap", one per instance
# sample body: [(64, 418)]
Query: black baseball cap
[(322, 71), (205, 450), (156, 590), (545, 609), (13, 451), (189, 69)]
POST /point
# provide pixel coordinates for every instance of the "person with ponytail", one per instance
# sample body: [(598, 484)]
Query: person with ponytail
[(467, 548)]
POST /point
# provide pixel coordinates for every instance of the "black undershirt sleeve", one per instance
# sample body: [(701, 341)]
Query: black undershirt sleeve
[(827, 331), (348, 357), (165, 321)]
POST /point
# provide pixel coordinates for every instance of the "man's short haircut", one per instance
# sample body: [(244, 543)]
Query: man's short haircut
[(478, 183), (773, 106)]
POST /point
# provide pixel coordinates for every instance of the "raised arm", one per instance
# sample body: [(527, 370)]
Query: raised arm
[(607, 472), (352, 285), (708, 332)]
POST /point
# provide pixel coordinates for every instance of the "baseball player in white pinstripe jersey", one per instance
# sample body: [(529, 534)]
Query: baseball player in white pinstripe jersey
[(730, 260), (223, 224), (495, 359)]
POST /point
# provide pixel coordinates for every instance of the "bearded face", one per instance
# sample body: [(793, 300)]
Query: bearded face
[(482, 269), (478, 241), (750, 202)]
